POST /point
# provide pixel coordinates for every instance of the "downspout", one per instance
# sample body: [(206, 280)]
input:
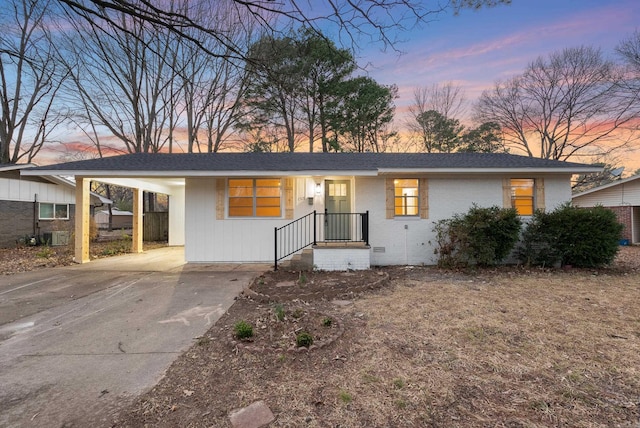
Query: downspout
[(35, 213)]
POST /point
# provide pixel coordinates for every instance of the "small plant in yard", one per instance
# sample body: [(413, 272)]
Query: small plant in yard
[(345, 397), (45, 252), (279, 311), (304, 339), (398, 383), (298, 313), (243, 330), (302, 278), (327, 322)]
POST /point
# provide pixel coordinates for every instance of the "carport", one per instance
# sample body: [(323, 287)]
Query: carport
[(139, 182)]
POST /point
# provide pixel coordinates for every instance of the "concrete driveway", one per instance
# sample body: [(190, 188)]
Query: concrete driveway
[(79, 343)]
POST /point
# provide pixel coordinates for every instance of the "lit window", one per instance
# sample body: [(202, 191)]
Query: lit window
[(406, 196), (254, 197), (522, 195), (50, 211)]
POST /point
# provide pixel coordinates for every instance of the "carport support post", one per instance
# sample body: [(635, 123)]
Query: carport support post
[(82, 220), (136, 239)]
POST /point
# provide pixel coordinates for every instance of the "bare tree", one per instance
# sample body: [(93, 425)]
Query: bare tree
[(629, 50), (125, 83), (378, 21), (30, 80), (569, 105), (212, 86), (436, 107)]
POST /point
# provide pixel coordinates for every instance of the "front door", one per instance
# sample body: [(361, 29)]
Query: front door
[(338, 206)]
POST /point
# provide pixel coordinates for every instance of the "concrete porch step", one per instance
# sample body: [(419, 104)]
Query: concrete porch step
[(300, 261)]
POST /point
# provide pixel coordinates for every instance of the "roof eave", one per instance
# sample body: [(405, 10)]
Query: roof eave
[(519, 170), (195, 174), (607, 186)]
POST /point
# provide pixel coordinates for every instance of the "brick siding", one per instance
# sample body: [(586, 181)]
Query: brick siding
[(341, 259), (16, 221), (624, 215)]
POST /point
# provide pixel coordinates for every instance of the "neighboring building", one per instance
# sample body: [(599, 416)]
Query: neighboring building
[(623, 198), (119, 219), (36, 206), (226, 207)]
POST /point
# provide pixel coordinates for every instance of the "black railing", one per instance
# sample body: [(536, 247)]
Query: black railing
[(319, 227), (295, 236)]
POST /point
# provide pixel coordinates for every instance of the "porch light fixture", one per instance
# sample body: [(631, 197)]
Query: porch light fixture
[(318, 188)]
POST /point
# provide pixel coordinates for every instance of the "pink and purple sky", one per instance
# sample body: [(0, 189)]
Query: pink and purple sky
[(476, 48)]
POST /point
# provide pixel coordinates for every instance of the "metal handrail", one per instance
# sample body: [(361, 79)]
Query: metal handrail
[(294, 236), (319, 227)]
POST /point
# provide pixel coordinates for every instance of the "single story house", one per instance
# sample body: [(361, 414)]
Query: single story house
[(353, 209), (120, 219), (37, 206), (623, 198)]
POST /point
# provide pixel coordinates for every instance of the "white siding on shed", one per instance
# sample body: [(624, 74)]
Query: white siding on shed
[(614, 196)]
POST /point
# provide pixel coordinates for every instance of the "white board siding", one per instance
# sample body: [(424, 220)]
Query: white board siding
[(231, 239), (25, 191), (615, 196), (405, 240)]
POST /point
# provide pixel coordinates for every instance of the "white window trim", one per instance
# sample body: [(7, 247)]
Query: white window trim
[(254, 216), (54, 211), (407, 216)]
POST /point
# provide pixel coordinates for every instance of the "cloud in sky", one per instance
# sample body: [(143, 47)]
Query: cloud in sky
[(478, 48)]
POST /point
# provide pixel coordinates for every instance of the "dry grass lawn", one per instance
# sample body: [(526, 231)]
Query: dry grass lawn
[(502, 348)]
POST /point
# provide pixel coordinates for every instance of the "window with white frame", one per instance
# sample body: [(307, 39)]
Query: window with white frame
[(51, 211), (406, 197), (523, 195), (255, 197)]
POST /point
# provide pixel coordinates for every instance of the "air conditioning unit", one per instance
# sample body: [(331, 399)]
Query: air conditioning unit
[(59, 237)]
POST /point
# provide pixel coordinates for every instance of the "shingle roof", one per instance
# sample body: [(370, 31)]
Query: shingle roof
[(329, 162)]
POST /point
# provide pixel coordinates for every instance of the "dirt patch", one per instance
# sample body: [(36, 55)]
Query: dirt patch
[(503, 347)]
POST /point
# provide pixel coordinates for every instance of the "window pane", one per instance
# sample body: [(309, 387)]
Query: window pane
[(268, 202), (406, 196), (240, 182), (522, 192), (268, 191), (46, 210), (268, 211), (61, 211), (267, 182), (240, 191), (240, 202), (241, 211)]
